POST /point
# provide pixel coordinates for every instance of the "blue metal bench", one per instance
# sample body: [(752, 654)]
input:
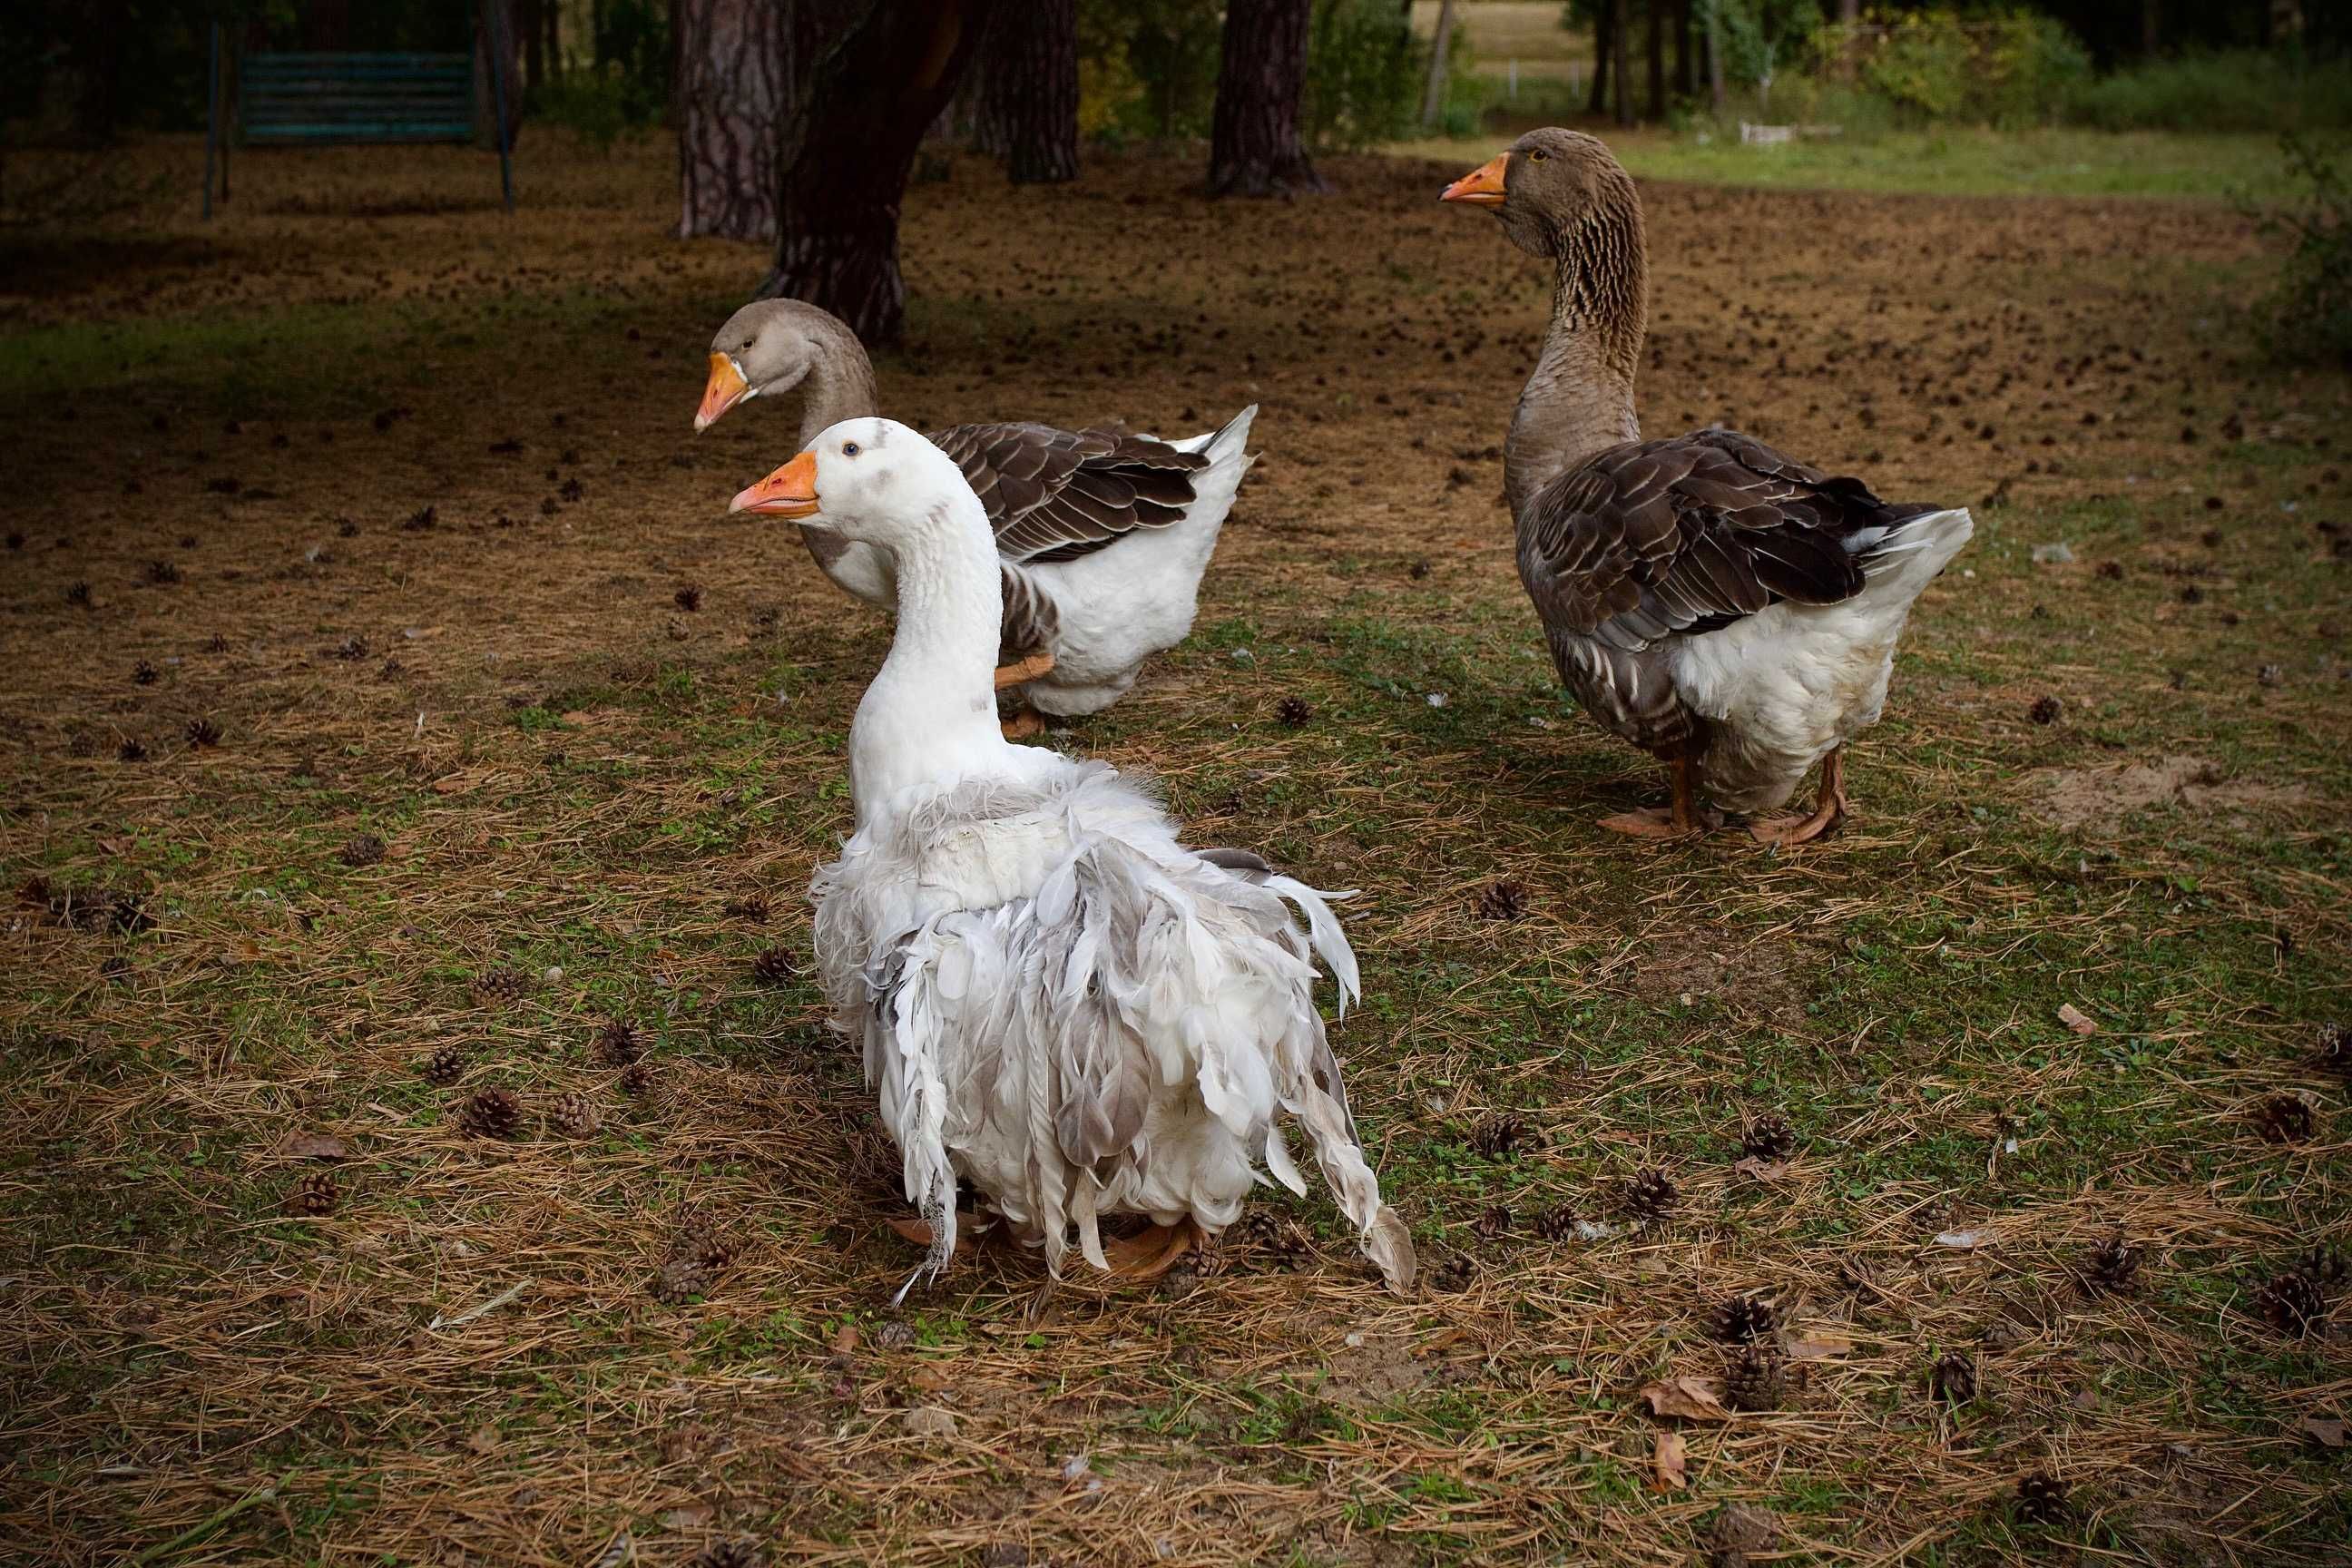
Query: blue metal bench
[(298, 100)]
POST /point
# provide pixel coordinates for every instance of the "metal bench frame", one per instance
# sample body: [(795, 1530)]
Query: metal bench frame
[(290, 99)]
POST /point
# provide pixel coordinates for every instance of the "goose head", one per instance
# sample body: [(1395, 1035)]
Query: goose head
[(872, 480), (1548, 188), (769, 345)]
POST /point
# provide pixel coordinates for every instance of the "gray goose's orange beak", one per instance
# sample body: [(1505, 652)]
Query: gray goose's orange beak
[(790, 491), (1482, 186), (723, 391)]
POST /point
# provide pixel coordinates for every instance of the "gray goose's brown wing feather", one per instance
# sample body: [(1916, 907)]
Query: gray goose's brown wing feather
[(1680, 537), (1056, 495)]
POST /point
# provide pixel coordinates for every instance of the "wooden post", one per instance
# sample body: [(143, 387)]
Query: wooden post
[(1433, 96), (212, 115)]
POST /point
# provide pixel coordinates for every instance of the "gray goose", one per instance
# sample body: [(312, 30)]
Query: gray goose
[(1724, 608), (1101, 535)]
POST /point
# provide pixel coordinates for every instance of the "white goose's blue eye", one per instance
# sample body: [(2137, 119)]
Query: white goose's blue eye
[(849, 448)]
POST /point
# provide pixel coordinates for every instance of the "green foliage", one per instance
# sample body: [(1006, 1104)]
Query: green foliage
[(1364, 73), (1147, 68), (2311, 310), (633, 37), (2005, 68), (2242, 89), (598, 104)]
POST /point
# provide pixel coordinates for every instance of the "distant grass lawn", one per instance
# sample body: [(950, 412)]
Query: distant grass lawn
[(1966, 162)]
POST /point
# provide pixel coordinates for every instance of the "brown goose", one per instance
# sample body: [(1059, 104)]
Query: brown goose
[(1725, 608), (1101, 535)]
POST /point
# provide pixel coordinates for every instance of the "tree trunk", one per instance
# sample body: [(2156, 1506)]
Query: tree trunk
[(1848, 11), (886, 70), (497, 22), (1685, 84), (1657, 9), (1255, 148), (1432, 95), (1604, 33), (1029, 89), (534, 44), (1715, 55), (1618, 68), (733, 99), (552, 13)]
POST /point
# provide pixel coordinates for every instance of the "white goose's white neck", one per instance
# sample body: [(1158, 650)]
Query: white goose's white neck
[(930, 717)]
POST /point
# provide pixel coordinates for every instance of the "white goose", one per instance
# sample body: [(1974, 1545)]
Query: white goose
[(1056, 1000), (1101, 535)]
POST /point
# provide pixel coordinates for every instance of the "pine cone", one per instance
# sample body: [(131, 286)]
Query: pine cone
[(698, 1251), (639, 1080), (446, 1065), (1739, 1532), (752, 907), (1500, 1136), (2040, 1498), (616, 1045), (1493, 1221), (2294, 1303), (2284, 1119), (1758, 1378), (2112, 1265), (492, 1113), (2045, 711), (362, 849), (681, 1279), (1502, 900), (743, 1554), (688, 597), (1953, 1378), (577, 1117), (2335, 1048), (774, 967), (1770, 1138), (144, 673), (1453, 1272), (130, 752), (1557, 1222), (1746, 1319), (203, 732), (315, 1195), (1650, 1194), (1293, 712), (500, 984), (1270, 1239)]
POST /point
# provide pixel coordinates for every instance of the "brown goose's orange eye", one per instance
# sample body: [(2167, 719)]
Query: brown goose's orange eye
[(1539, 155)]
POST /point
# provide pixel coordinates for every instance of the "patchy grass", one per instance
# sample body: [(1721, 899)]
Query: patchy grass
[(232, 437)]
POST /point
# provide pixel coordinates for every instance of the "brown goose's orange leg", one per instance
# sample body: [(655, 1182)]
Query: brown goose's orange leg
[(1682, 818), (1830, 809), (1023, 671)]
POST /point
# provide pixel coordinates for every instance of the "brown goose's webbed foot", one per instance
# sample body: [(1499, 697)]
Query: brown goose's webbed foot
[(1023, 724), (1681, 818), (1830, 808), (1023, 671), (1153, 1252)]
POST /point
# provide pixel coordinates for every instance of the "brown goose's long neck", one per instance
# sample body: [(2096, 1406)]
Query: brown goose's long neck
[(839, 385), (1579, 398)]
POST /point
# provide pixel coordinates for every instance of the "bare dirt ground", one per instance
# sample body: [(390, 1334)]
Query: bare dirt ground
[(389, 705)]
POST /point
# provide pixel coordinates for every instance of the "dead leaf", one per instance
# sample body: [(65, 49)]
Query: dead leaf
[(2325, 1431), (845, 1343), (1451, 1337), (483, 1440), (2075, 1018), (1818, 1344), (928, 1378), (1691, 1398), (1761, 1170), (1672, 1459), (317, 1146), (693, 1517)]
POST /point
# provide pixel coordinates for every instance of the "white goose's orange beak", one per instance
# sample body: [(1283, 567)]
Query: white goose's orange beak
[(1482, 186), (723, 391), (790, 491)]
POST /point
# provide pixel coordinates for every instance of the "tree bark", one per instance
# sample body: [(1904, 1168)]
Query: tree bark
[(534, 44), (1604, 33), (1714, 56), (1657, 9), (1432, 95), (1029, 89), (732, 98), (886, 68), (1685, 84), (1255, 148), (1617, 67)]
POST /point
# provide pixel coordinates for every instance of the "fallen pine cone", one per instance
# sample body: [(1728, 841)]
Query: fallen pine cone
[(315, 1195), (492, 1113)]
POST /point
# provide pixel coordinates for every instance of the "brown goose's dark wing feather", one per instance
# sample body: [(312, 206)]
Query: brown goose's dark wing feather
[(1056, 495), (1688, 534)]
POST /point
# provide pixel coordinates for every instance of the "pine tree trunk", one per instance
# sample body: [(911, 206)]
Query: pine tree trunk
[(733, 99), (1657, 9), (1685, 84), (1619, 69), (1604, 33), (1029, 89), (534, 44), (1255, 148), (886, 69)]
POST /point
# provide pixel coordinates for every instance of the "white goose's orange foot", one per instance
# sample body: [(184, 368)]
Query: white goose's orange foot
[(1023, 671), (1153, 1251), (1023, 724)]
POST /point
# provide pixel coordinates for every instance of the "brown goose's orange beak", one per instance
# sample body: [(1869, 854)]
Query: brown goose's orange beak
[(723, 391), (1482, 186), (790, 491)]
